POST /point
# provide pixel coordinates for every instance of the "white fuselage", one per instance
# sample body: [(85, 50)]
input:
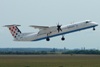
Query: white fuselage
[(52, 31)]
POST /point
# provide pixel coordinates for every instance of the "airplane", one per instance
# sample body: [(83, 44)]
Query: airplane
[(46, 32)]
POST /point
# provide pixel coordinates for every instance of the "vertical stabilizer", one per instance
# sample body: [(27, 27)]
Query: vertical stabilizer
[(16, 33)]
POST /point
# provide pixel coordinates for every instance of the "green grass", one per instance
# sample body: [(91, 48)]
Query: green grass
[(50, 61)]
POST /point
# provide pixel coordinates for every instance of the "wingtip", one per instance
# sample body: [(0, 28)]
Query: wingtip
[(30, 25)]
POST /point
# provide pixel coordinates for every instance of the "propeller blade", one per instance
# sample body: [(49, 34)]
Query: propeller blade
[(59, 27)]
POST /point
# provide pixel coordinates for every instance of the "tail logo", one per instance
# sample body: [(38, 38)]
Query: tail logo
[(14, 31)]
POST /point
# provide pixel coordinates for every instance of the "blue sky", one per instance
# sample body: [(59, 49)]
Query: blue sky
[(50, 12)]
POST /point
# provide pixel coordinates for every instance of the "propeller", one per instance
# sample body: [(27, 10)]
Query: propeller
[(59, 27)]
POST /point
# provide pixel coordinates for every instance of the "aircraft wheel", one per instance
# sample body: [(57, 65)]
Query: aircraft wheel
[(47, 39), (93, 28), (62, 38)]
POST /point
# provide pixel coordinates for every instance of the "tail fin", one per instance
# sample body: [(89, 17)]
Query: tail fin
[(14, 30)]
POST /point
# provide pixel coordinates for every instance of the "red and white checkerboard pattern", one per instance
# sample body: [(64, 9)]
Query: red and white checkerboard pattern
[(14, 31)]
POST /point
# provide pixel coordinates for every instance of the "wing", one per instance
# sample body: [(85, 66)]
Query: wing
[(40, 27)]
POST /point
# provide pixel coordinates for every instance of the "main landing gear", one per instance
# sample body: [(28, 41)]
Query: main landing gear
[(94, 28), (63, 38), (47, 39)]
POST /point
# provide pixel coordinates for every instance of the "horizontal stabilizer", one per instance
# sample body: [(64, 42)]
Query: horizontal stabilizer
[(16, 33), (11, 25)]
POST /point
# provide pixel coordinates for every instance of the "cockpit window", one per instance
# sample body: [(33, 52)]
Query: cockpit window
[(88, 21)]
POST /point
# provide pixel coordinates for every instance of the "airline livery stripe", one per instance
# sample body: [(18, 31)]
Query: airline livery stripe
[(64, 33)]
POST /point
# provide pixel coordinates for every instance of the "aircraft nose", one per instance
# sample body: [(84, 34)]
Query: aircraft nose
[(95, 23)]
